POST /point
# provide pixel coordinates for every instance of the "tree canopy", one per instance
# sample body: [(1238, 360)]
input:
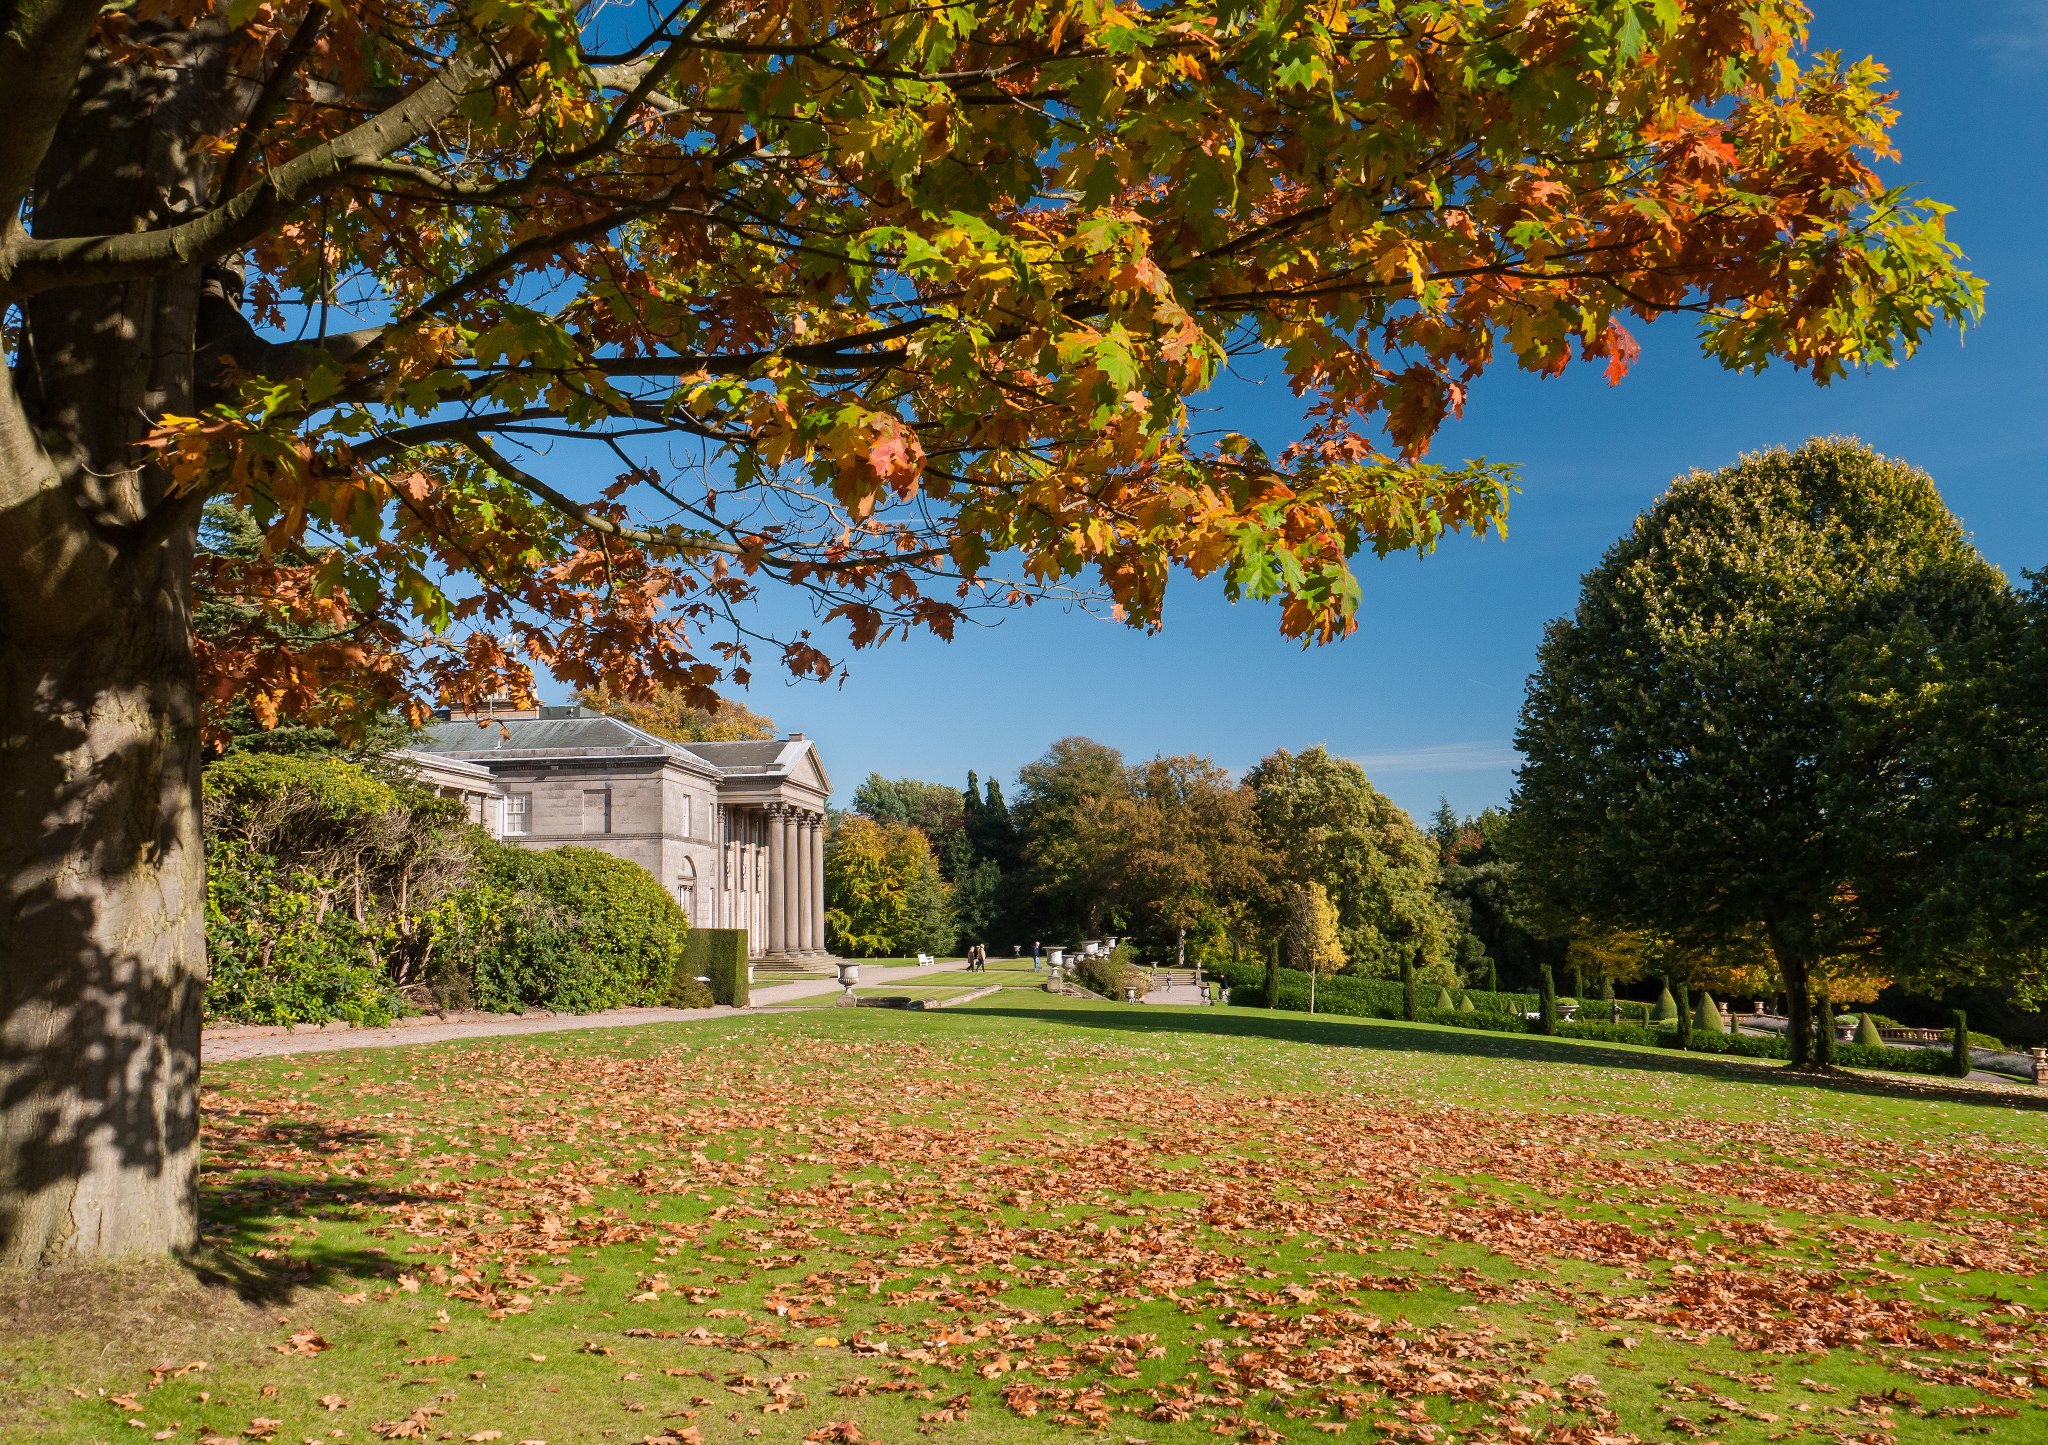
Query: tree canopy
[(1720, 749), (671, 713), (887, 897), (864, 298), (541, 338), (1324, 822)]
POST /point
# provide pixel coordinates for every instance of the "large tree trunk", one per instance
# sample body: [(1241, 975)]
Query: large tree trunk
[(102, 877), (102, 941), (1796, 969)]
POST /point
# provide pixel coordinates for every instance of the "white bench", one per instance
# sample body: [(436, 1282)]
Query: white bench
[(925, 960)]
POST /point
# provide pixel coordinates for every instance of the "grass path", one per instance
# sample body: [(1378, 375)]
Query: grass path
[(1030, 1218)]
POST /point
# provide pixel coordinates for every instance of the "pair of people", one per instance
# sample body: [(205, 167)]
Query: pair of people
[(977, 958)]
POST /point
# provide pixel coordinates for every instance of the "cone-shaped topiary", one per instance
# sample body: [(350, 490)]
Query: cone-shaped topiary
[(1707, 1018), (1959, 1046), (1546, 1014), (1667, 1006), (1465, 1005), (1866, 1032), (1443, 999)]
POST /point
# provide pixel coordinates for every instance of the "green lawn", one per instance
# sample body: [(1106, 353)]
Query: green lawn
[(1031, 1217)]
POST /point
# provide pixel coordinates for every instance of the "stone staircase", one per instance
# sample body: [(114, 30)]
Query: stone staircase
[(785, 970)]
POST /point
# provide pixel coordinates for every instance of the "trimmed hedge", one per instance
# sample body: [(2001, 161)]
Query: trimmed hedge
[(1348, 994), (1506, 1014), (719, 954)]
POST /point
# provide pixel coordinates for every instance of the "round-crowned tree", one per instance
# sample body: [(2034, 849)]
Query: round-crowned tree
[(1731, 738)]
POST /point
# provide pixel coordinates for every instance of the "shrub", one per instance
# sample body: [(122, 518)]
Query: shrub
[(1667, 1006), (1443, 1001), (1465, 1005), (690, 994), (571, 929), (1959, 1046), (279, 952), (1546, 1018), (1866, 1033), (1706, 1018), (1113, 973)]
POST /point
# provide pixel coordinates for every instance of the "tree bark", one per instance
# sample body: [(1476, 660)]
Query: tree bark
[(102, 936), (102, 874), (1796, 969)]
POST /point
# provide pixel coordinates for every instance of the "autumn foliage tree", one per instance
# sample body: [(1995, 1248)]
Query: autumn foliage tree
[(681, 716), (562, 330)]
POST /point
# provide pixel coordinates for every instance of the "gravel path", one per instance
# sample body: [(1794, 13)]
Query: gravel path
[(216, 1045)]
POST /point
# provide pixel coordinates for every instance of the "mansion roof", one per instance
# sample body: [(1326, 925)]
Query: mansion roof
[(572, 733)]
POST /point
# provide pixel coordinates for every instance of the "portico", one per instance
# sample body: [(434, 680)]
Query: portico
[(735, 830)]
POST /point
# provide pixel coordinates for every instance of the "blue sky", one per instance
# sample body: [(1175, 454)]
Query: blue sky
[(1426, 694)]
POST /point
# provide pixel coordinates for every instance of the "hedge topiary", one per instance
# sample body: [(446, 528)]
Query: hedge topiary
[(1408, 1009), (1546, 1013), (1465, 1005), (1867, 1034), (1959, 1045), (1444, 1003), (1707, 1018), (1667, 1006), (720, 955)]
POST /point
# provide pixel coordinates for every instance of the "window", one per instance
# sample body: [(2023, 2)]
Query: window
[(597, 810), (686, 815), (519, 813)]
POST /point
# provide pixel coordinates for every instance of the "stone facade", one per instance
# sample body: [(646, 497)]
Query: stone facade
[(734, 830)]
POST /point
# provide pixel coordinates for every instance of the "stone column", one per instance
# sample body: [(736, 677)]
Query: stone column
[(814, 922), (817, 880), (800, 884), (785, 886), (778, 855)]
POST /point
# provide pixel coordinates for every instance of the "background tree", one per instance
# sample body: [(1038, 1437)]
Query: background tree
[(932, 808), (1178, 845), (681, 715), (1695, 767), (1324, 822), (1065, 859), (648, 308), (884, 895), (1312, 943), (1480, 885)]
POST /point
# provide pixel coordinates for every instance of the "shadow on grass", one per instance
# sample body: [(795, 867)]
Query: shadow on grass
[(252, 1206), (1378, 1034)]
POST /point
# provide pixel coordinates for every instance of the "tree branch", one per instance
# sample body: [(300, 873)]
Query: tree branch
[(267, 101), (28, 266)]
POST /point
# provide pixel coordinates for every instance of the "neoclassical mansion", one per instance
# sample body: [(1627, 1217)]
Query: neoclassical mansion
[(734, 830)]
